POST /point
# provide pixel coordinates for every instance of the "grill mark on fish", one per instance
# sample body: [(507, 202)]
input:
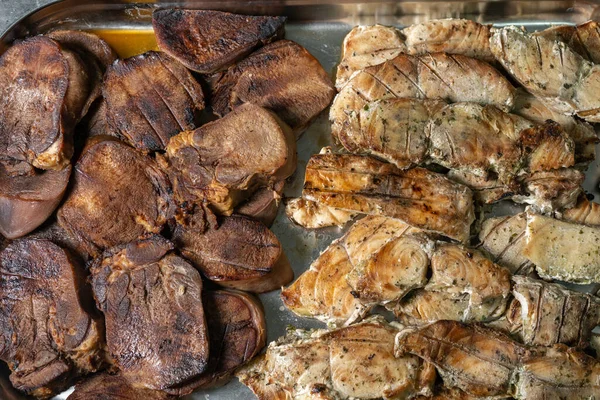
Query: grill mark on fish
[(415, 84)]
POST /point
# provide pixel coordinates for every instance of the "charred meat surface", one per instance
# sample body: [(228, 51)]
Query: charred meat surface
[(150, 98), (311, 215), (282, 77), (152, 303), (117, 195), (48, 337), (226, 160), (352, 362), (421, 198), (207, 41), (105, 386), (237, 332), (235, 252)]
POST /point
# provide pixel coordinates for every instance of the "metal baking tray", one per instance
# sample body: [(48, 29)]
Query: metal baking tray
[(320, 26)]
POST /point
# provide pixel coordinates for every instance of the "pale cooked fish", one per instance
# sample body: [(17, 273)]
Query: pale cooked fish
[(583, 39), (585, 212), (312, 215), (562, 250), (419, 197), (355, 362), (444, 393)]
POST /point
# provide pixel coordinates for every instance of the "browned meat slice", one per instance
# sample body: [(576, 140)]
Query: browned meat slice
[(7, 391), (104, 386), (282, 77), (584, 39), (548, 313), (421, 198), (226, 160), (238, 252), (237, 332), (150, 98), (585, 212), (53, 232), (26, 201), (352, 362), (312, 215), (263, 204), (473, 358), (47, 337), (117, 196), (207, 41), (152, 303)]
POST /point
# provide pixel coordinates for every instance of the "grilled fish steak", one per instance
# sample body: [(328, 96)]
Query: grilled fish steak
[(237, 332), (152, 302), (236, 252), (263, 205), (282, 77), (207, 41), (49, 337), (104, 386), (311, 215), (150, 98), (585, 212), (352, 362), (421, 198), (227, 160), (584, 39), (117, 196)]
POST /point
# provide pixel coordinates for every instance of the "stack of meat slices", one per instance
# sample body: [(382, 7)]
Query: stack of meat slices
[(429, 130), (111, 235)]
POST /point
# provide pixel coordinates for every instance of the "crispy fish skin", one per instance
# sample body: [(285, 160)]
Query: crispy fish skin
[(207, 41), (150, 98), (311, 215), (421, 198), (352, 362), (562, 250)]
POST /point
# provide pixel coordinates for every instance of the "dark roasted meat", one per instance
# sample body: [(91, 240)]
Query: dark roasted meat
[(263, 204), (105, 386)]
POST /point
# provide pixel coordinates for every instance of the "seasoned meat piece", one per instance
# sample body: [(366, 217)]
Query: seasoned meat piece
[(473, 358), (504, 239), (444, 393), (550, 70), (263, 204), (584, 39), (550, 190), (7, 391), (152, 303), (117, 196), (282, 77), (421, 198), (48, 337), (548, 313), (311, 215), (104, 386), (26, 201), (585, 212), (226, 160), (353, 362), (562, 250), (558, 373), (238, 252), (237, 332), (53, 232), (207, 41), (422, 307), (150, 98)]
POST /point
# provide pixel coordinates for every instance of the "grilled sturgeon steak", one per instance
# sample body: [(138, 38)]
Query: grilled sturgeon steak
[(263, 204), (352, 362), (152, 303), (584, 39), (26, 201), (550, 70), (585, 212), (473, 358), (421, 198), (311, 215), (117, 196), (226, 160), (150, 98), (48, 337), (444, 393), (547, 313), (282, 77), (236, 252), (104, 386), (237, 332), (562, 250), (208, 41)]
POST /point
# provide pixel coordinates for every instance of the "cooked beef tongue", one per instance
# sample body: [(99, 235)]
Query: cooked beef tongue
[(152, 303), (263, 204), (118, 195), (283, 77), (47, 336), (104, 386), (7, 391), (226, 160), (235, 252), (207, 41), (149, 98), (237, 331)]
